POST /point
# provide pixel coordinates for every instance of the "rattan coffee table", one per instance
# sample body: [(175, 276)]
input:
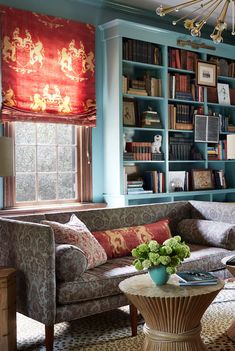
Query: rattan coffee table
[(231, 330), (172, 313)]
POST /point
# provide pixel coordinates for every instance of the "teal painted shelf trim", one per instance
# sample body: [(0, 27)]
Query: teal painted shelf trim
[(144, 65), (179, 70), (225, 78), (215, 161), (144, 97), (141, 161), (179, 194), (180, 130), (144, 129), (187, 102), (220, 105), (186, 161)]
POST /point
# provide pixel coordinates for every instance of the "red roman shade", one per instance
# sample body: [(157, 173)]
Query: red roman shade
[(48, 69)]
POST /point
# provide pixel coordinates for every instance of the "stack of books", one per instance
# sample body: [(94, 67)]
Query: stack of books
[(196, 278)]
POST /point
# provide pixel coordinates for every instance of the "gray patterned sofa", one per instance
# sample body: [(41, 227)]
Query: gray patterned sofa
[(29, 246)]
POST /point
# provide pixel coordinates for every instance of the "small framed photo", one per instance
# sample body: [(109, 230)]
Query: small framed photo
[(129, 112), (202, 179), (223, 93), (206, 74)]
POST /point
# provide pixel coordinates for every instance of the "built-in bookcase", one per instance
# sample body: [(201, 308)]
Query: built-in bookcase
[(145, 70)]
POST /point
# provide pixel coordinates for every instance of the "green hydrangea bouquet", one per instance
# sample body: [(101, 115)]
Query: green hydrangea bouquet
[(170, 254)]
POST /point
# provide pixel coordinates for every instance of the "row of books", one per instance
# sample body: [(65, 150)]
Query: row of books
[(148, 86), (180, 148), (141, 51), (196, 278), (134, 187), (224, 67), (181, 116), (182, 86), (155, 181), (219, 179), (217, 151), (141, 151), (182, 59)]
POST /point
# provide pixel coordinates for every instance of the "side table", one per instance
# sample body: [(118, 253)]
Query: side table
[(172, 313), (231, 330), (7, 309)]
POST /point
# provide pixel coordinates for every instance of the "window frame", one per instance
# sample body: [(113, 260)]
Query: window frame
[(84, 173)]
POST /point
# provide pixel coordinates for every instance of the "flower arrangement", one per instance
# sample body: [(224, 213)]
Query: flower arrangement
[(170, 254)]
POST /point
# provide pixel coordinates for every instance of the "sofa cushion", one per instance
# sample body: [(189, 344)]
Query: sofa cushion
[(103, 281), (71, 262), (76, 233), (210, 233), (119, 242)]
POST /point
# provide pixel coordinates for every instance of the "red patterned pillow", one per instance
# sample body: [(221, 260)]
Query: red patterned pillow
[(120, 242), (76, 233)]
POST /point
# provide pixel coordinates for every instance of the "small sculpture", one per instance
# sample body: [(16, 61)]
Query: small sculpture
[(157, 144)]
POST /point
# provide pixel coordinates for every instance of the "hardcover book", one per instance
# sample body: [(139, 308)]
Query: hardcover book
[(196, 278)]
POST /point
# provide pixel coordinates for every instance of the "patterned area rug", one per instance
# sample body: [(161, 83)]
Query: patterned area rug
[(110, 331)]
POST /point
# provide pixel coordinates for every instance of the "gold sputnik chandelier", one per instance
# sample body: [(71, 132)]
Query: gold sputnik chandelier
[(200, 15)]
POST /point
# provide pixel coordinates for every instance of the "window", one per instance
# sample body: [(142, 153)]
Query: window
[(52, 164)]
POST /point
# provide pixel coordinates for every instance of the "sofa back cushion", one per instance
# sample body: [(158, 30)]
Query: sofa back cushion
[(76, 233), (209, 233), (71, 262), (119, 242)]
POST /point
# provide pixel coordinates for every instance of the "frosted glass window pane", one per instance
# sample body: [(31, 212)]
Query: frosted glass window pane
[(25, 187), (46, 158), (46, 186), (66, 134), (66, 158), (66, 186), (25, 158), (46, 133), (25, 133)]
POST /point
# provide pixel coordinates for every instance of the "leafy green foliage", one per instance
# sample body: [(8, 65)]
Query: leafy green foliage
[(170, 254)]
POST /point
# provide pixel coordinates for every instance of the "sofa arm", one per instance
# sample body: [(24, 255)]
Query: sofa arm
[(30, 248)]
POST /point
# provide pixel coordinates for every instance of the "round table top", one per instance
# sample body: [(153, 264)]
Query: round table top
[(142, 285), (230, 268)]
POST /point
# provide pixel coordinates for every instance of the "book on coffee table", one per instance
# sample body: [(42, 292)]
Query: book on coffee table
[(196, 278)]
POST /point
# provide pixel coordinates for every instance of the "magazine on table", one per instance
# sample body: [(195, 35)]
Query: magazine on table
[(196, 278)]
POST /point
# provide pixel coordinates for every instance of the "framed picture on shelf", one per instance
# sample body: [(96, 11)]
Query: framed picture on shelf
[(223, 94), (129, 112), (206, 74), (202, 179)]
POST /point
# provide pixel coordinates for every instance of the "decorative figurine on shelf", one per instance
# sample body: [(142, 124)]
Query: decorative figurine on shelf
[(127, 137), (157, 144)]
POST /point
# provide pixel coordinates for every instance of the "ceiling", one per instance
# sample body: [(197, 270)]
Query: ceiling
[(153, 4)]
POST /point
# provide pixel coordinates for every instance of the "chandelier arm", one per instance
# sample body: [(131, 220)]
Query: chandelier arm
[(204, 19), (198, 8), (165, 11), (223, 12)]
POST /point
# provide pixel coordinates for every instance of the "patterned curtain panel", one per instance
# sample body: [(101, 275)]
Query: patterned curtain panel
[(48, 69)]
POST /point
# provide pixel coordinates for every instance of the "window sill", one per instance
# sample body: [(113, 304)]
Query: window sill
[(50, 208)]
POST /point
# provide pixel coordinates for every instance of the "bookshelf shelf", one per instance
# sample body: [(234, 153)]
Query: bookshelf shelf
[(143, 65), (154, 98), (179, 70), (132, 69), (180, 101)]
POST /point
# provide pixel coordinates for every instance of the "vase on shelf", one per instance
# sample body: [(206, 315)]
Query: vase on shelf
[(159, 274)]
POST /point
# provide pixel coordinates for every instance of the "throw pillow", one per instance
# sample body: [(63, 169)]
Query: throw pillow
[(209, 233), (71, 262), (120, 242), (76, 233)]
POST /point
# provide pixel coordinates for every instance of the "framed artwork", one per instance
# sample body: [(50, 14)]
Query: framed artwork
[(206, 74), (206, 129), (129, 112), (202, 179), (223, 94)]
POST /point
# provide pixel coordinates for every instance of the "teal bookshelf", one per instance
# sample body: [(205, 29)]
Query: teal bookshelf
[(113, 35)]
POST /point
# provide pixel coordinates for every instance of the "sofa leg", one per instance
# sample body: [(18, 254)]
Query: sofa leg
[(133, 314), (49, 333)]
